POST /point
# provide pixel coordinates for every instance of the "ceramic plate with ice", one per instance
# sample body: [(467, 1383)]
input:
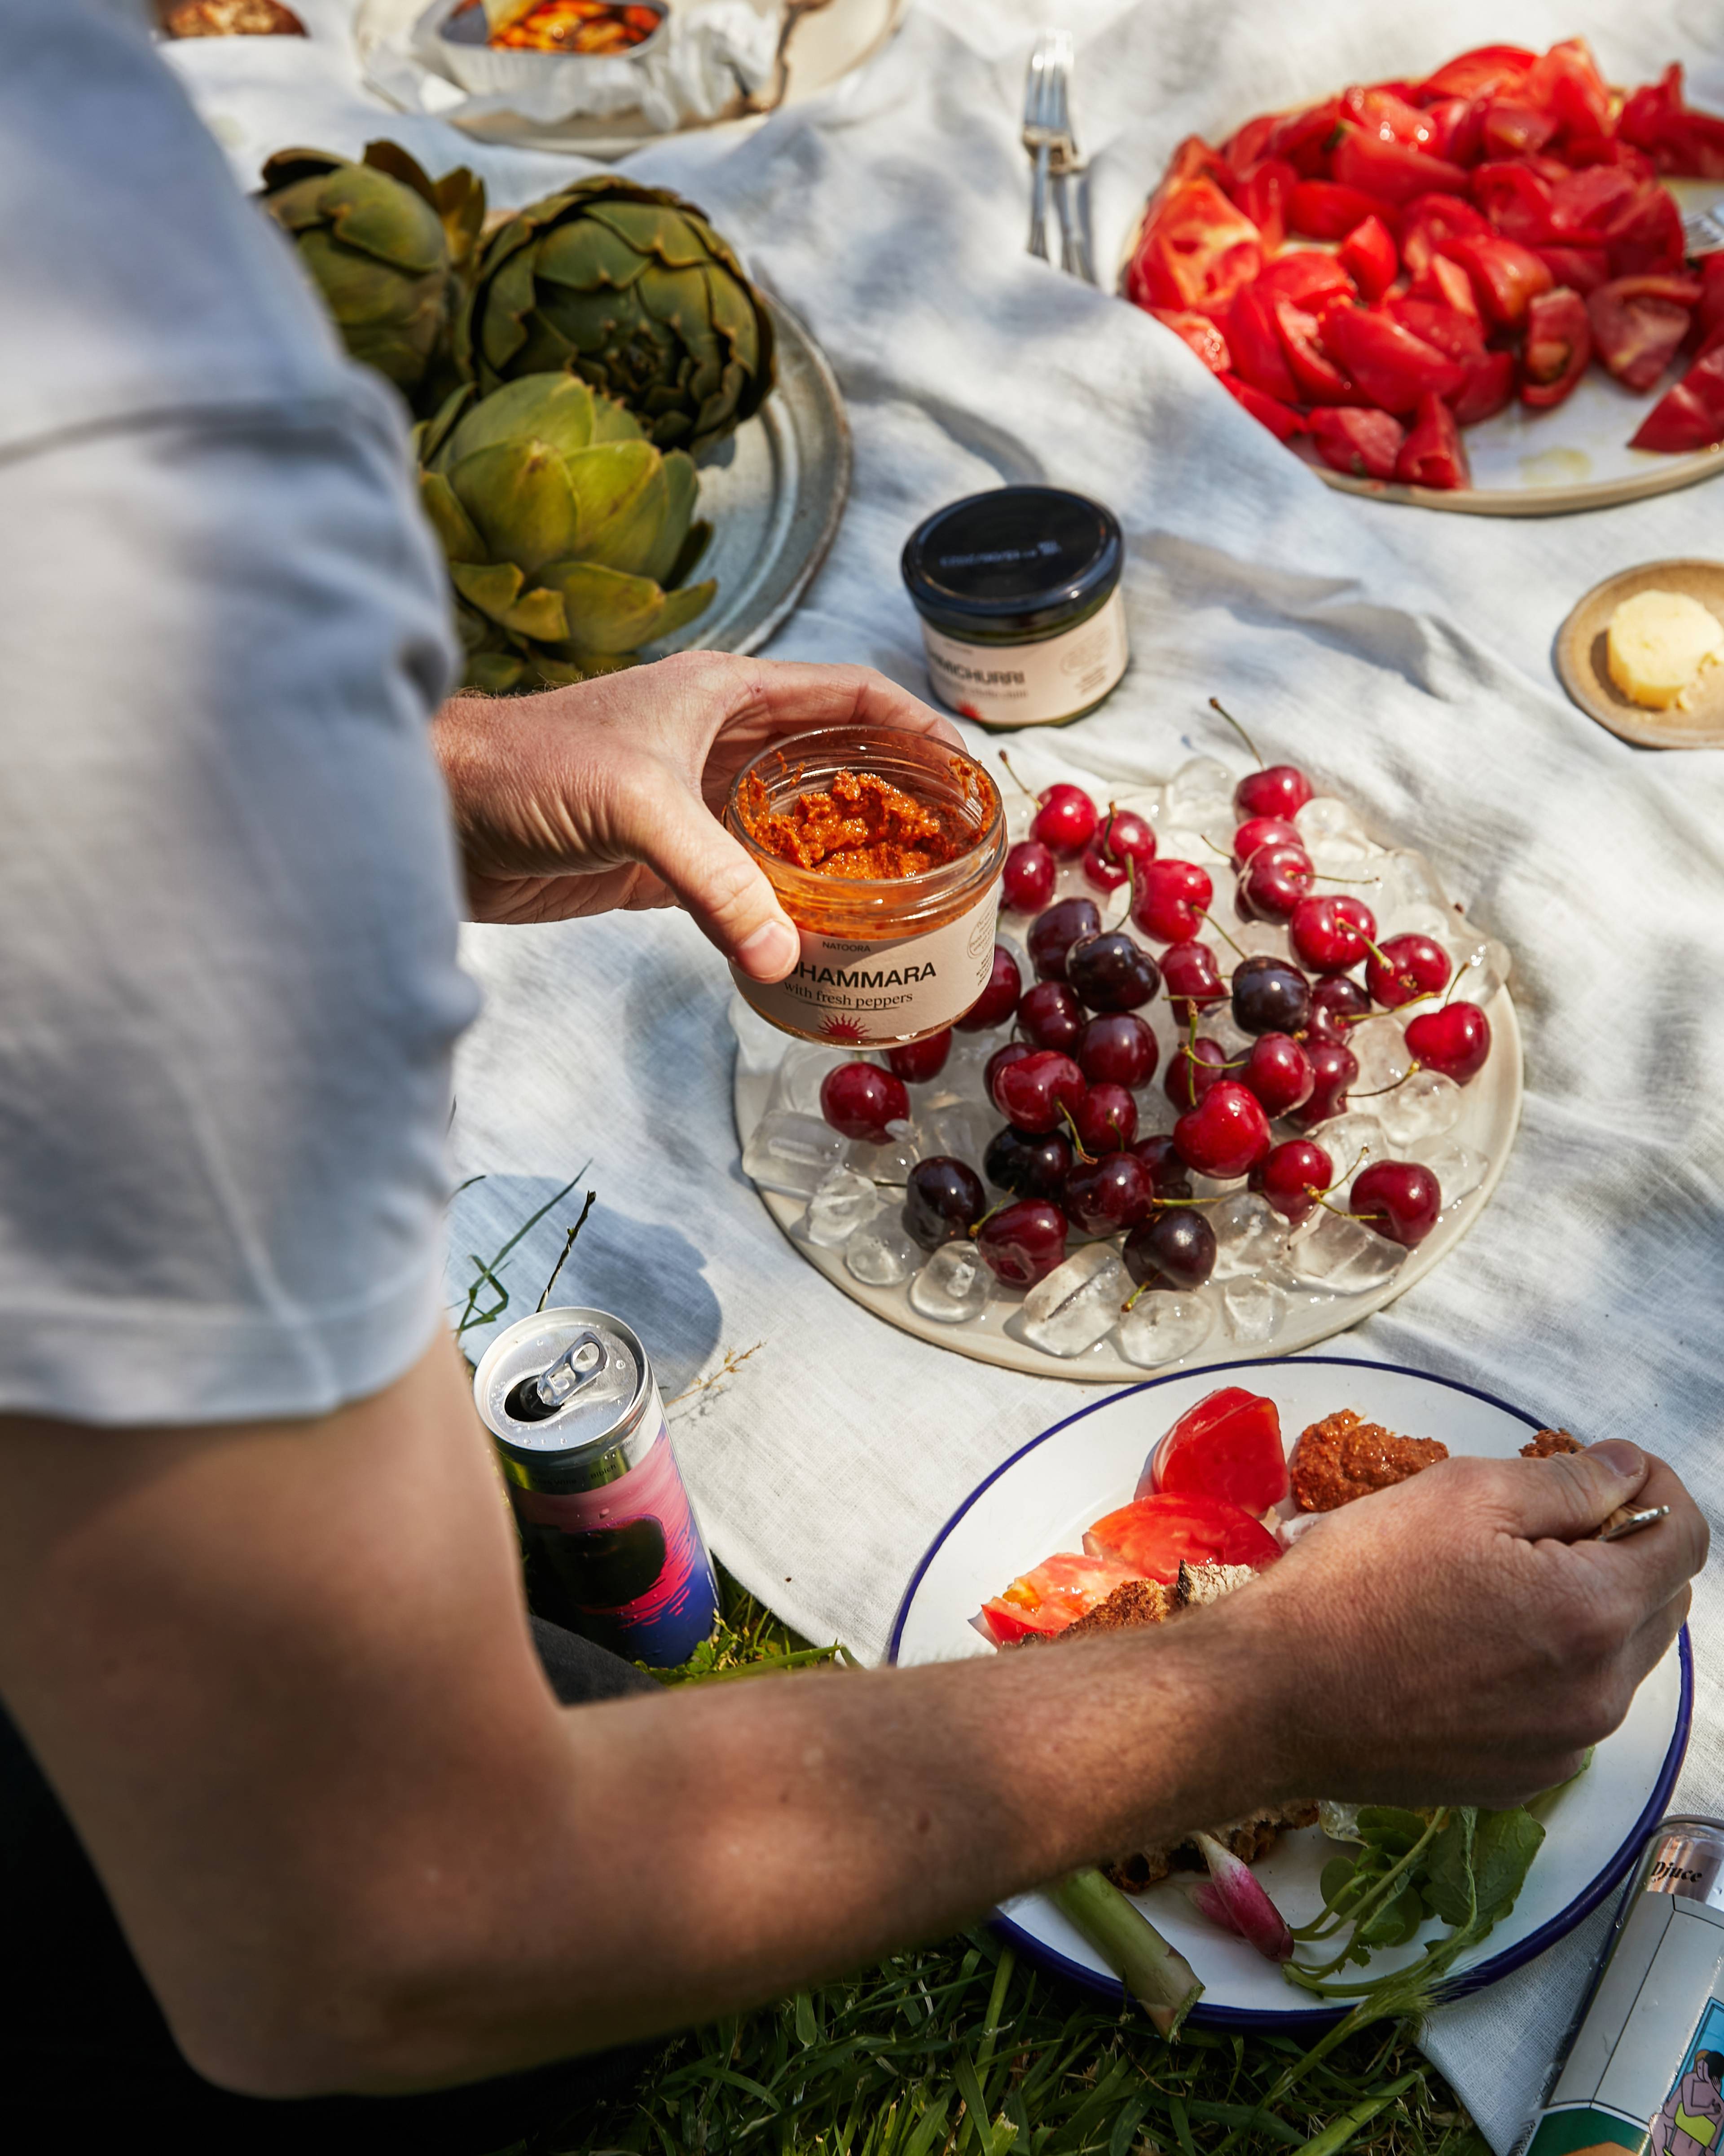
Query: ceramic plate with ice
[(1041, 1501), (1271, 1294)]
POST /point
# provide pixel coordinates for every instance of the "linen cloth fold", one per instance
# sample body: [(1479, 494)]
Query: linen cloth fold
[(1403, 654)]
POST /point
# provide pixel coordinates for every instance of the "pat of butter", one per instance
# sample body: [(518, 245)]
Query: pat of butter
[(1658, 643)]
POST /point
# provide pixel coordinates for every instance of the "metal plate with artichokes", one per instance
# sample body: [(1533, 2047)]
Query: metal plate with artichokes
[(630, 288), (569, 535)]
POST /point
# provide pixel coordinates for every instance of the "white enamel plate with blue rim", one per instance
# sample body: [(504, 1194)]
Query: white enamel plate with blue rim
[(1045, 1496)]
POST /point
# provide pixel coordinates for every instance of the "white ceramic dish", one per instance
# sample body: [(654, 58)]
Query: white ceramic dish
[(1042, 1499)]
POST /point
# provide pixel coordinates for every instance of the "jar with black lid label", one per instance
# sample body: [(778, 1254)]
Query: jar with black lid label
[(1018, 592)]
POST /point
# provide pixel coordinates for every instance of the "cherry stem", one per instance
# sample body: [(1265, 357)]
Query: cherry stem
[(1220, 932), (1382, 1090), (1087, 1159), (977, 1226), (1131, 885), (1016, 781), (1141, 1288), (1355, 883), (1216, 705)]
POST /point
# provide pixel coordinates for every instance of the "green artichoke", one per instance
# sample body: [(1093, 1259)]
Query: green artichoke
[(631, 288), (387, 247), (567, 533)]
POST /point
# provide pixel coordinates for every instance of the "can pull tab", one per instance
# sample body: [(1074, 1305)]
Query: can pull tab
[(579, 1363)]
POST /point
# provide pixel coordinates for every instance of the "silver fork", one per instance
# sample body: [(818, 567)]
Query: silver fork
[(1039, 137), (1703, 230), (1068, 166)]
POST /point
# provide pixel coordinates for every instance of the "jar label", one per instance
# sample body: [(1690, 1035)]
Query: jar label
[(867, 995), (1030, 684)]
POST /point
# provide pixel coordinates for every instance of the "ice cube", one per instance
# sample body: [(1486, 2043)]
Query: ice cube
[(1353, 1141), (1180, 841), (1078, 1303), (1458, 1169), (954, 1285), (843, 1202), (792, 1152), (1429, 921), (759, 1045), (1413, 882), (1253, 1311), (888, 1163), (1344, 1255), (797, 1086), (1249, 1234), (881, 1252), (1148, 802), (1481, 966), (1201, 784), (1020, 810), (1325, 821), (1262, 939), (960, 1130), (1161, 1326), (1380, 1045), (1422, 1106)]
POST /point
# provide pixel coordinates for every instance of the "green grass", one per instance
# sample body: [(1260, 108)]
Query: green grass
[(959, 2049)]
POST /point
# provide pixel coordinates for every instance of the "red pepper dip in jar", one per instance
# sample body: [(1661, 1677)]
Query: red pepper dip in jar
[(885, 848)]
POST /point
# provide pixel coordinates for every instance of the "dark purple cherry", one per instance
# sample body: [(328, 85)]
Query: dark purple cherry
[(1117, 1049), (943, 1199), (1053, 933), (1050, 1016), (1174, 1248), (1028, 1163), (1103, 1196), (1113, 972), (1269, 996)]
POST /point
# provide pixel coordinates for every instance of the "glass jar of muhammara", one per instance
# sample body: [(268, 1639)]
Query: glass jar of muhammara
[(1018, 592)]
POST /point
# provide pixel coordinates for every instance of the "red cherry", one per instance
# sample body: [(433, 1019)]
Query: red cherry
[(1103, 1196), (1053, 933), (1226, 1134), (916, 1061), (1168, 1175), (1192, 1069), (1279, 1072), (1029, 876), (1273, 881), (1192, 979), (1105, 1119), (1014, 1051), (1408, 967), (1399, 1199), (1329, 934), (1172, 897), (1293, 1177), (1065, 821), (1022, 1244), (1031, 1092), (1333, 1069), (1282, 790), (1099, 873), (1257, 832), (998, 999), (1050, 1015), (1117, 1049), (860, 1099), (1334, 1001), (1455, 1040), (1122, 839)]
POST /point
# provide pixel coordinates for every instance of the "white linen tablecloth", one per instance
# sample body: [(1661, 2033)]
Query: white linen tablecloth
[(1403, 654)]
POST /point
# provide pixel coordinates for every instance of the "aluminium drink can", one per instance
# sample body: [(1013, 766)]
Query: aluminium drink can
[(612, 1546), (1643, 2068)]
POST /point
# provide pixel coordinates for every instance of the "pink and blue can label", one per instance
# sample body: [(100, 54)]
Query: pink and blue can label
[(612, 1546)]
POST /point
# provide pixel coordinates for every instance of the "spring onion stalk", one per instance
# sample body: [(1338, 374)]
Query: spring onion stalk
[(1161, 1980)]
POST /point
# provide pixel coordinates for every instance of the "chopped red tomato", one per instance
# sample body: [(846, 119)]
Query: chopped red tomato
[(1433, 453), (1657, 120), (1228, 1445), (1645, 236), (1565, 82), (1456, 126), (1391, 171), (1638, 322), (1195, 251), (1507, 276), (1384, 113), (1583, 149), (1303, 339), (1308, 277), (1508, 129), (1367, 254), (1256, 346), (1480, 73), (1282, 421), (1392, 366), (1321, 210), (1711, 294), (1690, 415), (1489, 386), (1062, 1589), (1519, 204), (1303, 137), (1249, 146), (1264, 194), (1558, 344), (1582, 269), (1366, 444), (1153, 1535), (1584, 204), (1200, 333), (1448, 328), (1445, 283), (1428, 221)]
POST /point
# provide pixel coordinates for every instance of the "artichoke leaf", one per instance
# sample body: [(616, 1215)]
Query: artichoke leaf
[(455, 528), (735, 319), (519, 496), (681, 490), (557, 409), (637, 537), (678, 298), (605, 481), (607, 611), (496, 589), (381, 218), (682, 606), (359, 289), (649, 228), (584, 256), (298, 206), (431, 436), (497, 673), (613, 421), (506, 295), (700, 538), (383, 156), (546, 350)]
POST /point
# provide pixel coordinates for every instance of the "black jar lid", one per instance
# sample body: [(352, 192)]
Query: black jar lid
[(1016, 558)]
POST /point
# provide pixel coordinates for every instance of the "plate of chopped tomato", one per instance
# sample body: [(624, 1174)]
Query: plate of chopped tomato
[(1153, 1502), (1471, 290)]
